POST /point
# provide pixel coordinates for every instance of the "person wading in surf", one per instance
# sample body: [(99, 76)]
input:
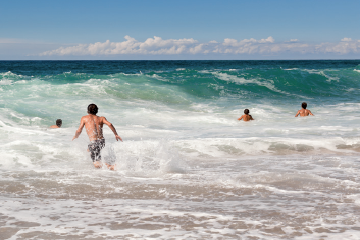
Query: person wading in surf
[(94, 126), (246, 117), (58, 124), (304, 112)]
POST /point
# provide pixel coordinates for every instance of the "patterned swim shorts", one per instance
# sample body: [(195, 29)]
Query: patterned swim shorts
[(95, 148)]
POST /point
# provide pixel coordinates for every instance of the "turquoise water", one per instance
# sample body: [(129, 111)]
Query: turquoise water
[(226, 84), (187, 167)]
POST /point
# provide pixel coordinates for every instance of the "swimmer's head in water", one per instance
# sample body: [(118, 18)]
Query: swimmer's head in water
[(92, 109), (58, 122), (304, 105), (246, 111)]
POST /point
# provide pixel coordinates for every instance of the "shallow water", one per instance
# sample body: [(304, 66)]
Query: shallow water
[(187, 168)]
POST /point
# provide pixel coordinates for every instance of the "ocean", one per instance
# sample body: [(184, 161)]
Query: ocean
[(187, 168)]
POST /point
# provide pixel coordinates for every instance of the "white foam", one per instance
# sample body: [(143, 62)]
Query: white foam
[(6, 82), (322, 73), (10, 74), (184, 170), (260, 82), (157, 77), (291, 69)]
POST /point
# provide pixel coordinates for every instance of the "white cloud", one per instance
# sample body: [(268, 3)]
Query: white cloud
[(155, 45), (159, 46), (347, 45), (197, 49)]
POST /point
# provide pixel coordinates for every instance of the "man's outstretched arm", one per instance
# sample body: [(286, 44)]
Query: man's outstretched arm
[(311, 113), (117, 137), (297, 113), (78, 132)]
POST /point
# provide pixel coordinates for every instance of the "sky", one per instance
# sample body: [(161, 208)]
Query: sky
[(172, 30)]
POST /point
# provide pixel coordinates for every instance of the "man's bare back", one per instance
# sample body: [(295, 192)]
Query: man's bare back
[(246, 117), (304, 112), (94, 125)]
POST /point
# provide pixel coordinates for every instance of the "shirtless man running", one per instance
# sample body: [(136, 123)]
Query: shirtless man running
[(304, 112), (94, 126)]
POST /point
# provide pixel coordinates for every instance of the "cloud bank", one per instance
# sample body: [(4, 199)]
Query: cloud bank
[(159, 46)]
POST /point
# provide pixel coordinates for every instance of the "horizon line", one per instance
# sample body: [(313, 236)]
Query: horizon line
[(305, 59)]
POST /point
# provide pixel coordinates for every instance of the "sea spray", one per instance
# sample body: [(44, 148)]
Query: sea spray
[(150, 158)]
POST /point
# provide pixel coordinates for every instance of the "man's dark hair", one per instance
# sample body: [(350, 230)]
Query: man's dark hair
[(304, 105), (93, 109), (246, 111), (58, 122)]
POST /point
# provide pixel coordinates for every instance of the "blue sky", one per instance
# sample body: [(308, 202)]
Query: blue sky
[(196, 29)]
